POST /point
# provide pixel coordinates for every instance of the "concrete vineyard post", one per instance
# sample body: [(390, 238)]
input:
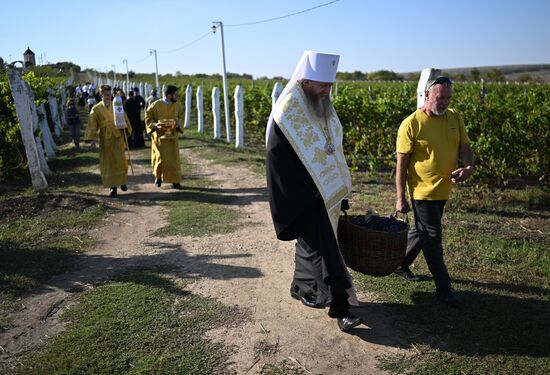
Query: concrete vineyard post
[(216, 112), (239, 117), (200, 110), (23, 110)]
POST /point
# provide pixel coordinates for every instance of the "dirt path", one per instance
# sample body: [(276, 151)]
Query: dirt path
[(248, 268)]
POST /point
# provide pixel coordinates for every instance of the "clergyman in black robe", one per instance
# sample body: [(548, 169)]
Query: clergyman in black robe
[(133, 107), (307, 181)]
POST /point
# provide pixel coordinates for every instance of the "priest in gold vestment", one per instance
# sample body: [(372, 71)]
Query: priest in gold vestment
[(308, 182), (112, 142), (163, 120)]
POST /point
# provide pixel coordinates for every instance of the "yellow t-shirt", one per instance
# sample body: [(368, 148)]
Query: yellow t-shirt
[(433, 144)]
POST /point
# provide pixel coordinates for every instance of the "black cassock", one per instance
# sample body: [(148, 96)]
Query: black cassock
[(298, 212), (132, 107)]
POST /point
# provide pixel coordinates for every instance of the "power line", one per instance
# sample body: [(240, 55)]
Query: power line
[(188, 44), (141, 60), (281, 17)]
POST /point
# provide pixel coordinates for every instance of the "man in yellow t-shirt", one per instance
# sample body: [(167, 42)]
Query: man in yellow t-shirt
[(430, 143)]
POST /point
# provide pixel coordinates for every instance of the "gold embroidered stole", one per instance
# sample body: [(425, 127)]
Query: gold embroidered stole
[(329, 171)]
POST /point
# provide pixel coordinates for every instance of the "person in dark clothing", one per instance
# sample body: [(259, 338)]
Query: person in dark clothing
[(73, 120), (133, 107), (308, 181), (139, 98)]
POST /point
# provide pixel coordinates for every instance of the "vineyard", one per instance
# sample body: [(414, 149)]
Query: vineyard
[(508, 124)]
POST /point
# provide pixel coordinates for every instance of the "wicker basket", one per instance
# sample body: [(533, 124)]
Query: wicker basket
[(368, 251)]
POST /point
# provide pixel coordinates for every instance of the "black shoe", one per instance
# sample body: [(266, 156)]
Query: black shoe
[(307, 300), (177, 186), (112, 192), (158, 182), (406, 273), (448, 298), (348, 322), (123, 187)]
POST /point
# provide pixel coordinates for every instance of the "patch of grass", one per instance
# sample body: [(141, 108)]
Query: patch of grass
[(496, 248), (199, 209), (141, 323), (35, 247), (394, 363), (75, 172), (199, 213), (40, 236)]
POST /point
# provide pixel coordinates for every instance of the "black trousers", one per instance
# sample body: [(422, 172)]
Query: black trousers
[(319, 270), (426, 236)]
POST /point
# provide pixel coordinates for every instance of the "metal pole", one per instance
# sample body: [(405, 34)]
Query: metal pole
[(127, 75), (156, 70), (225, 85)]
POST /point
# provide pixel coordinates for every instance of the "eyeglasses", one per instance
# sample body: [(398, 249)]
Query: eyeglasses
[(439, 81)]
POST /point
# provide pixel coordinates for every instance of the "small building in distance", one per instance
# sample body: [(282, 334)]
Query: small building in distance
[(28, 58)]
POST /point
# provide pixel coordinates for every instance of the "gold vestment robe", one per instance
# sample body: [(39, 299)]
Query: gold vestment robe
[(112, 143), (165, 157)]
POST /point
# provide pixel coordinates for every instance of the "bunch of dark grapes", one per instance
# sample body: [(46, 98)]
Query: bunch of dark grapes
[(383, 224)]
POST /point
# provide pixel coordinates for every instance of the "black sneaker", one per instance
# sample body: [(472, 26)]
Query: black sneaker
[(123, 187), (158, 182), (112, 192), (177, 186), (406, 273)]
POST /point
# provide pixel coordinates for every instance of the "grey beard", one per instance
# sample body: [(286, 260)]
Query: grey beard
[(320, 106), (437, 112)]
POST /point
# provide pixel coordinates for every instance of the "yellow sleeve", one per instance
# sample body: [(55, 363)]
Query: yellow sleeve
[(93, 127), (405, 138), (150, 117)]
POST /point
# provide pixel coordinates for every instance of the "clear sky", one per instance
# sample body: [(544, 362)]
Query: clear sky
[(398, 35)]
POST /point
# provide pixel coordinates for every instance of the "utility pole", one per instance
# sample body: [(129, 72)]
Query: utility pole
[(156, 70), (127, 76), (215, 25)]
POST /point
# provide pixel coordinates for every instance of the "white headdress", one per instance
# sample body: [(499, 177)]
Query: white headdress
[(315, 66)]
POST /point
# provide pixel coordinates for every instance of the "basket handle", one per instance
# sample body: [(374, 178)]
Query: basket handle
[(396, 215)]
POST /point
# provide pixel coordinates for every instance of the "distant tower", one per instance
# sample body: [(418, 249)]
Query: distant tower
[(28, 57)]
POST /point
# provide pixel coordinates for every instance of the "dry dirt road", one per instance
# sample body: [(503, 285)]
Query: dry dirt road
[(248, 268)]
